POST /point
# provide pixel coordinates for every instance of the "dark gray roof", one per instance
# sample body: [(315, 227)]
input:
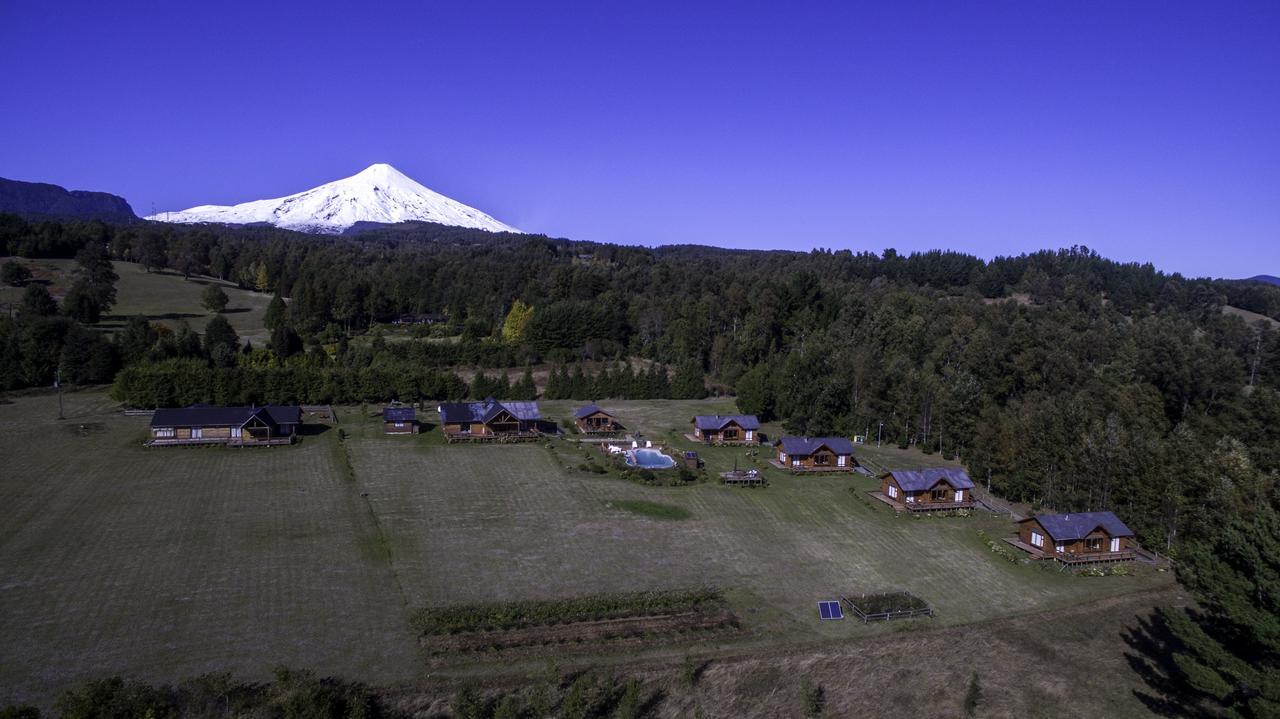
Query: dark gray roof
[(487, 410), (920, 480), (284, 414), (203, 415), (720, 421), (805, 446), (399, 414), (588, 411), (1077, 525)]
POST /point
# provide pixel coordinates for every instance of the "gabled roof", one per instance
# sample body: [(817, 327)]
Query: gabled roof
[(720, 421), (399, 414), (284, 414), (203, 415), (487, 411), (1078, 525), (805, 446), (588, 411), (921, 480)]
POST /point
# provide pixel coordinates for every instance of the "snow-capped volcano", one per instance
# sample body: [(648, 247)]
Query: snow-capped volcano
[(380, 193)]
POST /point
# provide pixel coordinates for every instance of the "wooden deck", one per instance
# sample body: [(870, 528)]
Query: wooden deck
[(919, 507), (811, 470), (529, 436), (224, 441), (1071, 560), (741, 478)]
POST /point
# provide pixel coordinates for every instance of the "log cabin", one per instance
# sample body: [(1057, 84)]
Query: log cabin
[(399, 420), (816, 454), (924, 490), (1077, 537), (232, 426), (726, 429), (490, 420), (593, 420)]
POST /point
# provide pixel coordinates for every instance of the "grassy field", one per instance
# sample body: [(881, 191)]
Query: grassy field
[(163, 297), (165, 563)]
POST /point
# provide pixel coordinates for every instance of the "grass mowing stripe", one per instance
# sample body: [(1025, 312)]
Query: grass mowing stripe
[(656, 510)]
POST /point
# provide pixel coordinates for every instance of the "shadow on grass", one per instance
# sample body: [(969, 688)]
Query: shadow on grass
[(1151, 658), (120, 320), (313, 429)]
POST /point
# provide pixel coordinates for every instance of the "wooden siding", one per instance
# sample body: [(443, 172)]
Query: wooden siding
[(597, 422), (823, 460), (925, 498), (410, 427), (1074, 548), (712, 436)]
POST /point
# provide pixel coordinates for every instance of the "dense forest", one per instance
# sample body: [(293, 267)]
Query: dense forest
[(1059, 377)]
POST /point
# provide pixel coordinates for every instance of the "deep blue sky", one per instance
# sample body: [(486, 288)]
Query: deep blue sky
[(1145, 130)]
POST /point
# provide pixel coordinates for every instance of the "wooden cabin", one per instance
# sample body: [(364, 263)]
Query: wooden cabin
[(593, 420), (399, 420), (816, 454), (726, 429), (231, 426), (491, 420), (1077, 537), (923, 490)]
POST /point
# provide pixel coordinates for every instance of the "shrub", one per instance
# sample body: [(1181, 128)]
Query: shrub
[(973, 696), (811, 698), (515, 615)]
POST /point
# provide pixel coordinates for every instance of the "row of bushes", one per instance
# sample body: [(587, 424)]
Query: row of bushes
[(517, 615)]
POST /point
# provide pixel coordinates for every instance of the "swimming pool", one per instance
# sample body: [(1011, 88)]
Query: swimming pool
[(649, 459)]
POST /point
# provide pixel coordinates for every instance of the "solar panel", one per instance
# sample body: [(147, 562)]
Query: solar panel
[(830, 610)]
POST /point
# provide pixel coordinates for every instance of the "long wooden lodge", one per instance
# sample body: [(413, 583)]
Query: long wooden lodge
[(928, 490), (726, 429), (593, 420), (1076, 538), (232, 426), (490, 420), (814, 454)]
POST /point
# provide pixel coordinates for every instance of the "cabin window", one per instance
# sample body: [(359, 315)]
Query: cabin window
[(840, 461), (782, 457), (399, 425), (236, 433), (1061, 548), (911, 498), (820, 459), (795, 463), (1115, 544), (465, 428), (1037, 539), (959, 495), (938, 495), (164, 431), (749, 435), (197, 432), (1093, 544), (731, 434), (893, 491)]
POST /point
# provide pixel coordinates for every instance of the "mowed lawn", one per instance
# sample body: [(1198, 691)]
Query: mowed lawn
[(163, 297), (471, 522), (166, 563)]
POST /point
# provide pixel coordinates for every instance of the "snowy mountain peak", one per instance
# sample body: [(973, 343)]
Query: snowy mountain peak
[(379, 193)]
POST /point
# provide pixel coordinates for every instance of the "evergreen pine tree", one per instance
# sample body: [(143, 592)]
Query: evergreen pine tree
[(578, 387), (1230, 652)]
